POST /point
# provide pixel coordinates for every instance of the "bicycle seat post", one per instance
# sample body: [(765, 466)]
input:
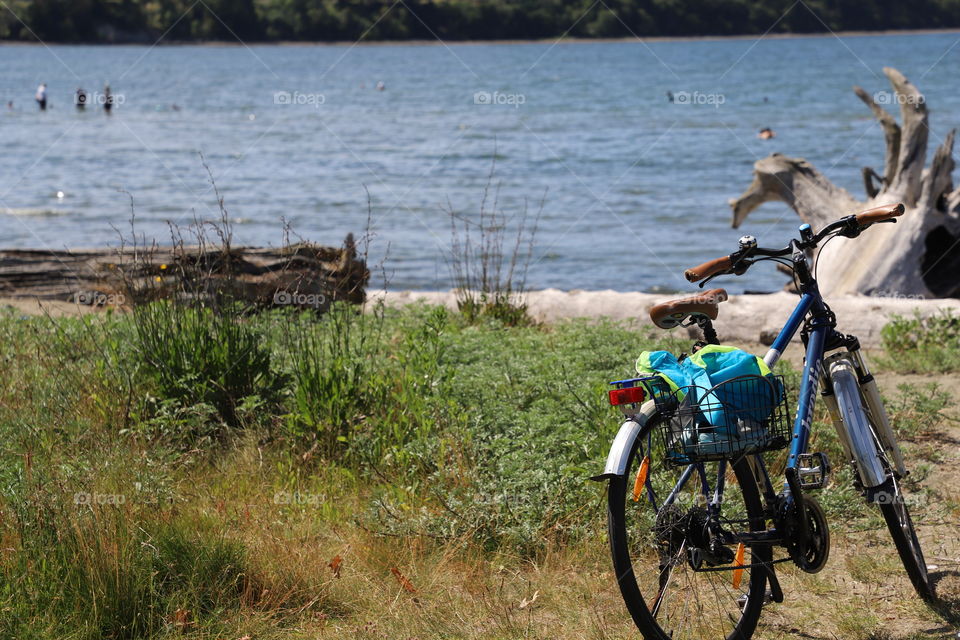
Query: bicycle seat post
[(706, 326)]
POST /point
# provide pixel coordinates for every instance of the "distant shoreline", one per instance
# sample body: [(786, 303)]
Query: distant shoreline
[(436, 42)]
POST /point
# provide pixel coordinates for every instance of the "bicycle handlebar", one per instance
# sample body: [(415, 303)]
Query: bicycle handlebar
[(850, 226)]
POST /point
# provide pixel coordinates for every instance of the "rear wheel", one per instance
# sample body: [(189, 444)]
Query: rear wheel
[(660, 550)]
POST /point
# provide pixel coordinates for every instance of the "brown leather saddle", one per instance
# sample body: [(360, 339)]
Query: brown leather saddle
[(674, 313)]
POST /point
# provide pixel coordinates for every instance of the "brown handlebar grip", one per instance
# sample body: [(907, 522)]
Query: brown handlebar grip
[(707, 269), (879, 214)]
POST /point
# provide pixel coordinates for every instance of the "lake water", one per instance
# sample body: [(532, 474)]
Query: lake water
[(636, 186)]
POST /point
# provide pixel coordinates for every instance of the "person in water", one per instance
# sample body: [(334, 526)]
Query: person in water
[(107, 99), (41, 96), (766, 133), (81, 99)]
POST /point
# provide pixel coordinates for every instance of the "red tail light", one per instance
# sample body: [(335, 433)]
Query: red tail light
[(627, 395)]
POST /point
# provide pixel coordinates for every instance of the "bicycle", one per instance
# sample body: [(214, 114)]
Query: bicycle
[(695, 525)]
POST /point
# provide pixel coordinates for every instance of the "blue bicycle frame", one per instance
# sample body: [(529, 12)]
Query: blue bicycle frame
[(820, 329), (690, 527)]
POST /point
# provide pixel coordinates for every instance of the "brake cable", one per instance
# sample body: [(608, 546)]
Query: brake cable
[(816, 261)]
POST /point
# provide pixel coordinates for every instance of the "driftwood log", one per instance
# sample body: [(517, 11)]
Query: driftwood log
[(920, 255), (302, 275)]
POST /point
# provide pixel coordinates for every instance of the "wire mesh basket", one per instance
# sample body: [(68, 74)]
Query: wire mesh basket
[(744, 415)]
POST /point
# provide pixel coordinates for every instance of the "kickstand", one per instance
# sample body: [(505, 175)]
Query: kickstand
[(776, 593)]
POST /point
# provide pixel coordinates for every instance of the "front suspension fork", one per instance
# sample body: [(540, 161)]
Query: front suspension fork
[(856, 437)]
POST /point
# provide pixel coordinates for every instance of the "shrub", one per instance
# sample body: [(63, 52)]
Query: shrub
[(922, 345), (192, 339), (335, 362), (194, 355), (489, 267), (366, 391), (529, 423)]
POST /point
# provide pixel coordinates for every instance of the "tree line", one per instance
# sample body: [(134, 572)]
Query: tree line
[(106, 21)]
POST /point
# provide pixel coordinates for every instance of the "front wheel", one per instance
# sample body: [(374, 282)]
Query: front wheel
[(895, 512), (871, 458)]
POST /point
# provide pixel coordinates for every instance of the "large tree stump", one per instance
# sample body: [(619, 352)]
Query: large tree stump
[(918, 256)]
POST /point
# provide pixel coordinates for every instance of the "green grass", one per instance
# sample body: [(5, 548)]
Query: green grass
[(148, 490), (922, 345), (99, 573), (447, 429), (195, 355)]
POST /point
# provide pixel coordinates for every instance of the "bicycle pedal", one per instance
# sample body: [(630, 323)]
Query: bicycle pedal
[(813, 470)]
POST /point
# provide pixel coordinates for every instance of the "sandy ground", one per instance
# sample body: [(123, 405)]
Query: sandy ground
[(53, 308), (742, 317)]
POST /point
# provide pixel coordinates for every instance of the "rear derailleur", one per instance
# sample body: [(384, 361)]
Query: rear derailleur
[(690, 531)]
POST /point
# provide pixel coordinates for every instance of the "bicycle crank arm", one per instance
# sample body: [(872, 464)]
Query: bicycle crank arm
[(796, 491)]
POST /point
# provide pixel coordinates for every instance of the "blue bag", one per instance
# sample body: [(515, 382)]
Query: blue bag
[(728, 393)]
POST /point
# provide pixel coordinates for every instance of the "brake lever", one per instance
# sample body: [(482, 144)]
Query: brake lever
[(708, 279), (861, 228)]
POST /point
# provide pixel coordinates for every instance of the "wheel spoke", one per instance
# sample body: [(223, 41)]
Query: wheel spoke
[(663, 589)]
